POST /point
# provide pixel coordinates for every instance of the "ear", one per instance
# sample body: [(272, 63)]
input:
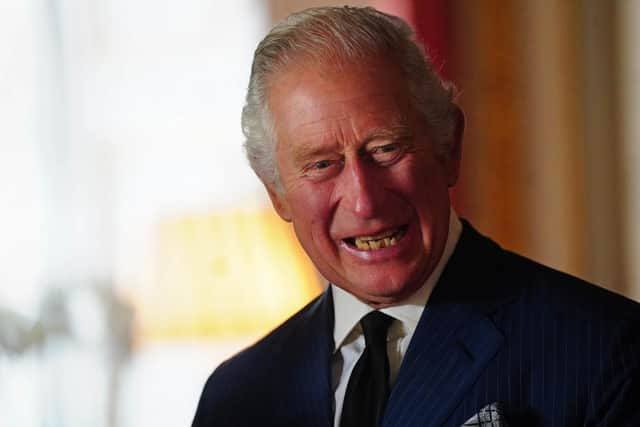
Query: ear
[(279, 202), (454, 156)]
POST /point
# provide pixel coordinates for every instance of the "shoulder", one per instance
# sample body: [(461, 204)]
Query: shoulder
[(534, 285), (251, 379), (571, 339), (563, 294), (584, 333), (270, 349), (533, 304)]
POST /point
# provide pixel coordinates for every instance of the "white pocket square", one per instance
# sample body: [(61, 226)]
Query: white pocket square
[(489, 416)]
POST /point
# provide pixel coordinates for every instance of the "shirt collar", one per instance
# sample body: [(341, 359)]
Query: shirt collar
[(348, 310)]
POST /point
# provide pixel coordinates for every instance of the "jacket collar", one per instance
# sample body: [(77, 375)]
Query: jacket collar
[(311, 385), (455, 338)]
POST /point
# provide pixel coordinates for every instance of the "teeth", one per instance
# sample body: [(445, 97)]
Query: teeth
[(379, 236), (381, 240), (363, 246)]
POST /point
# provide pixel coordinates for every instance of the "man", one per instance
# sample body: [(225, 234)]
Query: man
[(357, 142)]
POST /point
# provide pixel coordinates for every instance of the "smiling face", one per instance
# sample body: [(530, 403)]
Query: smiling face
[(361, 181)]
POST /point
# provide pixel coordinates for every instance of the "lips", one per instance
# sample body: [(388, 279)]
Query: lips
[(381, 240)]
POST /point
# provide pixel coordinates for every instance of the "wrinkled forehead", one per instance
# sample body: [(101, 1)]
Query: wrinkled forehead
[(353, 102)]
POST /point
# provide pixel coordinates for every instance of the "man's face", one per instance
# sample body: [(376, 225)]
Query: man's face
[(362, 183)]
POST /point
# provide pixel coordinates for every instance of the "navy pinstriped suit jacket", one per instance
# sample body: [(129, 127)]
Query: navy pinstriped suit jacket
[(552, 349)]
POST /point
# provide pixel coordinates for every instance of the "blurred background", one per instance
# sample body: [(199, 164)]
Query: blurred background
[(138, 250)]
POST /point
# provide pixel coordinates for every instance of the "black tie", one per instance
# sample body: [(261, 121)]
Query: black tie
[(368, 387)]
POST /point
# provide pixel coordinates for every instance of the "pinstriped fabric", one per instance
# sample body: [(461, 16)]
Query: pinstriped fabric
[(558, 363), (550, 349), (270, 385), (451, 346), (568, 357)]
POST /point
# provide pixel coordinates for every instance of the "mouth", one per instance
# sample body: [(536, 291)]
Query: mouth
[(381, 240)]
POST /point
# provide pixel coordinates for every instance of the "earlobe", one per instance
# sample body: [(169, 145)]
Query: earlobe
[(455, 151), (279, 203)]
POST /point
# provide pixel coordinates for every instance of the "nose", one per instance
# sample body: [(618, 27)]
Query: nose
[(361, 190)]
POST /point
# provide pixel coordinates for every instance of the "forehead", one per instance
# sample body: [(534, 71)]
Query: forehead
[(325, 104)]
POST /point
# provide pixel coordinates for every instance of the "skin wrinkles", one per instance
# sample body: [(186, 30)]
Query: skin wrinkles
[(355, 159), (306, 154), (318, 141)]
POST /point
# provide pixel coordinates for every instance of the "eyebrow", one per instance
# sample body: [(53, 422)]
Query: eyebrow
[(303, 153), (395, 132)]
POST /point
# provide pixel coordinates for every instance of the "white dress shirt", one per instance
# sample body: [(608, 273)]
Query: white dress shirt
[(347, 332)]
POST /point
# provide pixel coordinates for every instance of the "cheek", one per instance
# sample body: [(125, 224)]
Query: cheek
[(312, 217), (412, 179), (423, 186), (312, 208), (428, 177)]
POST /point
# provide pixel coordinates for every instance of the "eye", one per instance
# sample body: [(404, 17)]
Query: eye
[(387, 153), (322, 164), (320, 169)]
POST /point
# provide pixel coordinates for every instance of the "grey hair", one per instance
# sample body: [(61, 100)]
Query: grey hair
[(346, 34)]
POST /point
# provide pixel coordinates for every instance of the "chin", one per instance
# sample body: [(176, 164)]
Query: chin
[(384, 294)]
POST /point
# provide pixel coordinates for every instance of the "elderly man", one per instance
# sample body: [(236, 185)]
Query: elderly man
[(425, 321)]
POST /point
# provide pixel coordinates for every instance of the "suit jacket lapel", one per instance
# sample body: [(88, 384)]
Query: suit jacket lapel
[(310, 364), (454, 339)]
